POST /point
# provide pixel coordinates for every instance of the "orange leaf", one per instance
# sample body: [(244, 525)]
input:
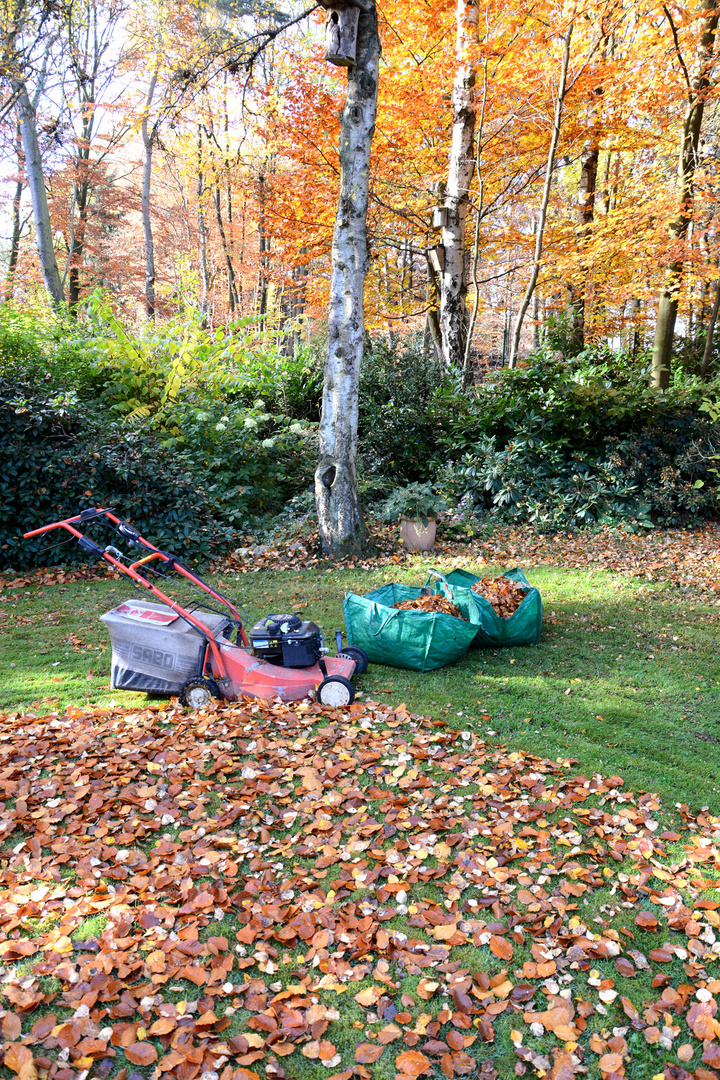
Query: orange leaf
[(426, 988), (646, 920), (11, 1026), (141, 1053), (610, 1063), (368, 996), (501, 947), (162, 1026), (412, 1063), (563, 1068), (19, 1058), (367, 1053), (389, 1034), (327, 1050)]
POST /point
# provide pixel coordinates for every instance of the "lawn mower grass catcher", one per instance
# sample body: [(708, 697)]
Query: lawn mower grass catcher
[(202, 651)]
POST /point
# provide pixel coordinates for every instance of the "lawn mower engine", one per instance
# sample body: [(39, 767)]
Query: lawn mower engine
[(287, 641)]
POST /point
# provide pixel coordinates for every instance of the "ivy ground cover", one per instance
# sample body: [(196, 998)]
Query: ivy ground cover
[(291, 892)]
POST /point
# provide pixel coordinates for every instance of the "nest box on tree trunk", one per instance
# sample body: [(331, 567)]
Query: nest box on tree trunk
[(341, 29)]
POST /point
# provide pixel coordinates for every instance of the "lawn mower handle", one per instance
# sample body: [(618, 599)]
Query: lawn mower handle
[(110, 553)]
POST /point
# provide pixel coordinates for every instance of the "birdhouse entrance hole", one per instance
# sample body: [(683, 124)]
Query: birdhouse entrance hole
[(341, 29)]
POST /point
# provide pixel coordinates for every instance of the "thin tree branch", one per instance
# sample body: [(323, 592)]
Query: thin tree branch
[(679, 55), (545, 200)]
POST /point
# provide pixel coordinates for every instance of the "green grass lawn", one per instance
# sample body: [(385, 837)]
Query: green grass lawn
[(626, 677)]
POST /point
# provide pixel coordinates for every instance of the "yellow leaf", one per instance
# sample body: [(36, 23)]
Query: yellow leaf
[(62, 945), (368, 996)]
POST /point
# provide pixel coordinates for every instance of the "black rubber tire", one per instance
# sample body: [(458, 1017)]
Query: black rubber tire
[(354, 652), (334, 686), (198, 683)]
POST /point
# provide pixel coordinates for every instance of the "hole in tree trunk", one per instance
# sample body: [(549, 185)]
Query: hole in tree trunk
[(328, 477)]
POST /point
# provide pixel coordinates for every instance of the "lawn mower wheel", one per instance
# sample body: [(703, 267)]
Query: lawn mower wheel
[(354, 652), (336, 692), (197, 693)]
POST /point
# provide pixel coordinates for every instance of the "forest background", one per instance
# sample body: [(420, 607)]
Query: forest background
[(543, 286)]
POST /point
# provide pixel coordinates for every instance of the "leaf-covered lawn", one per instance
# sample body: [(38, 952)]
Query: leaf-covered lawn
[(686, 557), (291, 892), (625, 677)]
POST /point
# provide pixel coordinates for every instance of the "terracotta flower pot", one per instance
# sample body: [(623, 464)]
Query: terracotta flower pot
[(416, 536)]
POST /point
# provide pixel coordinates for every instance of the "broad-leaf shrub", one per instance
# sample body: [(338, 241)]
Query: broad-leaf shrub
[(189, 492), (580, 401), (662, 474), (249, 461), (56, 458), (147, 370), (154, 423), (530, 480), (288, 385), (36, 346), (400, 422)]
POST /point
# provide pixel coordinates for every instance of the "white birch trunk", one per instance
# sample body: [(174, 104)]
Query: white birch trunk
[(453, 285), (36, 183), (342, 529)]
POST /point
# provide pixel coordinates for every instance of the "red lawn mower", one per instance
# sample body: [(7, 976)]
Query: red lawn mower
[(200, 651)]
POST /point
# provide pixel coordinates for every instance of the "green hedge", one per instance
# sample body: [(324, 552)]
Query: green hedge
[(580, 441), (56, 458)]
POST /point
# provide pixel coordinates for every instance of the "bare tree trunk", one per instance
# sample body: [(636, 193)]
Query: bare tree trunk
[(697, 89), (467, 366), (298, 295), (342, 528), (263, 247), (432, 322), (147, 139), (635, 315), (453, 283), (27, 118), (78, 244), (707, 352), (14, 242), (544, 204), (388, 300), (16, 225), (203, 232), (606, 183), (535, 308), (585, 216), (233, 302)]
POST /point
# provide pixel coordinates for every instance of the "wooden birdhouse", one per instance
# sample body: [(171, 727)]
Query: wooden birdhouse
[(440, 217), (341, 30), (437, 258)]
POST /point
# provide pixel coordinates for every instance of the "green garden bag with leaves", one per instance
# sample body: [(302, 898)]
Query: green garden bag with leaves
[(420, 640), (521, 628)]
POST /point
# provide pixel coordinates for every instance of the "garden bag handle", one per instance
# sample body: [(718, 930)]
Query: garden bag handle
[(442, 577)]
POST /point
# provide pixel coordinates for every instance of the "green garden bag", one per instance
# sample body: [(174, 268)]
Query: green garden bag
[(420, 640), (522, 628)]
